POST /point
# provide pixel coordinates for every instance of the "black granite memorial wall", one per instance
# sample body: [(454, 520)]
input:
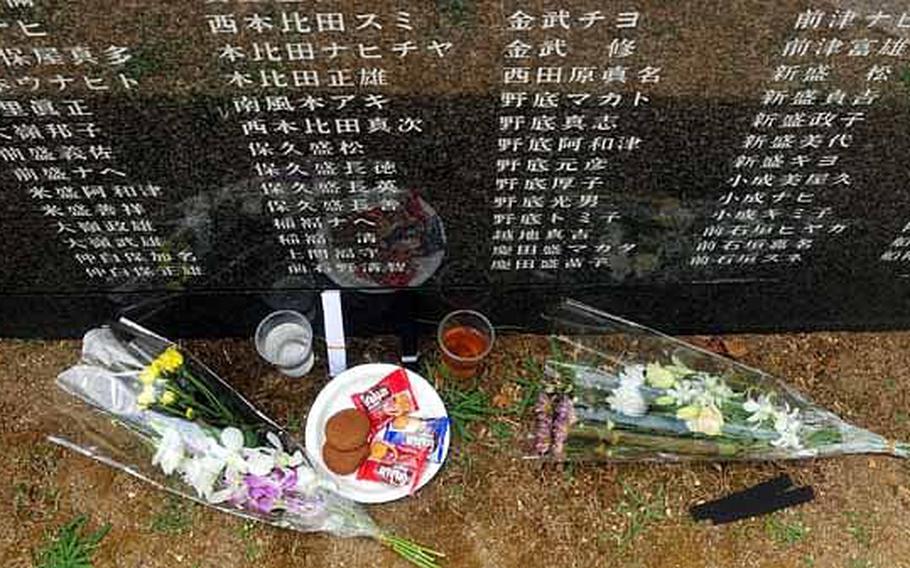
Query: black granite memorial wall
[(700, 166)]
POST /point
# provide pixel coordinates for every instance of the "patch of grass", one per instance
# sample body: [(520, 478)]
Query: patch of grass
[(784, 532), (858, 530), (531, 386), (32, 501), (809, 561), (175, 517), (71, 547), (247, 533), (465, 461), (568, 472), (641, 511), (294, 424), (860, 563), (466, 407), (502, 431)]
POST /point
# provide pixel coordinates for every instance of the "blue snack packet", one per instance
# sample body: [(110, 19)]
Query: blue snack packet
[(418, 433)]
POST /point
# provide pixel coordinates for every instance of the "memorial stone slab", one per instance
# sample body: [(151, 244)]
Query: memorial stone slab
[(701, 166)]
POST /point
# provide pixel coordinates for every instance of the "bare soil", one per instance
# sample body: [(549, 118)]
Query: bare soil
[(488, 507)]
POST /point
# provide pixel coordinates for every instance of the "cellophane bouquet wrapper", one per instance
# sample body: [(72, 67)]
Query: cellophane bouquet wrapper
[(619, 391), (140, 404)]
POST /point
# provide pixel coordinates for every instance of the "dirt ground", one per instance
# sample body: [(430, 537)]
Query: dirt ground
[(488, 507)]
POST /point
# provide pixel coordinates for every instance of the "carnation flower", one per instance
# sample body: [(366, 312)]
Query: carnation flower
[(627, 399)]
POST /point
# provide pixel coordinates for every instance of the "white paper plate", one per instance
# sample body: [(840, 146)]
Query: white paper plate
[(336, 396)]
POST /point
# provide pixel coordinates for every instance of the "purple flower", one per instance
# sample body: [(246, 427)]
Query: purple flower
[(565, 417), (262, 493), (542, 432), (266, 493)]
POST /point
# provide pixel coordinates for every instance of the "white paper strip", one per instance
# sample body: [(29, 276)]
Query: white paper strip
[(334, 331)]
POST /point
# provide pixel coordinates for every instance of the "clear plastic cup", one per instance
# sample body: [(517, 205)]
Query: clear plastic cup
[(285, 339), (465, 338)]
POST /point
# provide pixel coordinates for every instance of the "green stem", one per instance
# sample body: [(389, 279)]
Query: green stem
[(208, 394), (414, 553), (691, 446)]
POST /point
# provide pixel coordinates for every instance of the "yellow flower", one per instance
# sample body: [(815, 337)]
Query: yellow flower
[(146, 397), (168, 397), (706, 420), (150, 374), (170, 360), (190, 413), (659, 377), (687, 412)]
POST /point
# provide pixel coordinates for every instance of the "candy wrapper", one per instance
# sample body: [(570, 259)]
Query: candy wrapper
[(618, 391), (142, 405), (388, 399), (396, 465), (416, 432)]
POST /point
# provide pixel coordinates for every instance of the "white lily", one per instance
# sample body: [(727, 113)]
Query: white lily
[(260, 461), (683, 393), (787, 424), (201, 473), (716, 390), (230, 451), (760, 410), (170, 451)]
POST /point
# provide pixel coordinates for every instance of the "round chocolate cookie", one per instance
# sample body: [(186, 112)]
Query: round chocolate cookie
[(347, 430), (344, 463)]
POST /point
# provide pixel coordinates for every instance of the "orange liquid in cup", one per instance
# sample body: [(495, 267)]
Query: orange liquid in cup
[(466, 344)]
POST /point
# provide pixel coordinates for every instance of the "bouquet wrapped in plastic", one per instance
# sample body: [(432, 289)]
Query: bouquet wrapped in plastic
[(161, 415), (620, 391)]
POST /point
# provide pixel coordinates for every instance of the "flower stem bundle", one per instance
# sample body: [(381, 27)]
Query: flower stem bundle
[(637, 394)]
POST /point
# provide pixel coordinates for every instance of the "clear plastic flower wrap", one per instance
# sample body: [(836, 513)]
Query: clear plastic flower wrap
[(142, 405), (618, 391)]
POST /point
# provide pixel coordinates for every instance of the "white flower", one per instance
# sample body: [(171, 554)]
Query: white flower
[(202, 473), (170, 452), (306, 479), (788, 439), (683, 393), (760, 410), (787, 424), (628, 400), (715, 390), (632, 375), (231, 450), (282, 458), (260, 461), (234, 488)]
